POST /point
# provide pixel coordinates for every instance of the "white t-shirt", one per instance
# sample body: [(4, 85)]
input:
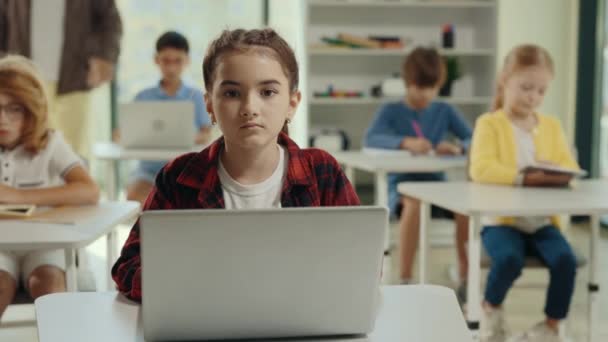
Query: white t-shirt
[(526, 156), (526, 151), (266, 194), (20, 169), (46, 25)]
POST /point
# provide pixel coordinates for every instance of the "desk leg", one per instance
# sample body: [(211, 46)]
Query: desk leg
[(70, 270), (473, 279), (111, 241), (425, 220), (112, 255), (381, 199), (381, 189), (593, 286), (111, 186)]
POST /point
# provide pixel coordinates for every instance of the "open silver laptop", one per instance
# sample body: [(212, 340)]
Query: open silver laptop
[(157, 124), (231, 274)]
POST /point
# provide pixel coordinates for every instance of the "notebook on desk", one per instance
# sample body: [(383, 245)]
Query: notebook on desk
[(384, 152), (556, 170), (381, 152), (235, 274)]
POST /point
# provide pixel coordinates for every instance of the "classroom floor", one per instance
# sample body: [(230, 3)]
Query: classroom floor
[(524, 304)]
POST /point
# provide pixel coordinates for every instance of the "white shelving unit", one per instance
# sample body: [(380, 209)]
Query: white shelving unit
[(417, 21), (330, 101), (403, 3), (395, 52)]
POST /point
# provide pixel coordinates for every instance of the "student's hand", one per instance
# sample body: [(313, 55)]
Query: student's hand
[(416, 145), (534, 178), (448, 149), (100, 71), (10, 195), (557, 179), (546, 179)]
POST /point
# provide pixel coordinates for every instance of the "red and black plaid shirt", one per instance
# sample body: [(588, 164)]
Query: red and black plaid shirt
[(313, 179)]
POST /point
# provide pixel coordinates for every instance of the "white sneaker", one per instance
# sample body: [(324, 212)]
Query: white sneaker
[(493, 327), (540, 333)]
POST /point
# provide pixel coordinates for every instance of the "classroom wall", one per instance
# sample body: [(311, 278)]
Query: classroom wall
[(289, 19), (200, 21), (552, 24), (99, 128)]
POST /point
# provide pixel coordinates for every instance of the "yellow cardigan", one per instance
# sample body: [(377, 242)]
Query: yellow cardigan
[(493, 152)]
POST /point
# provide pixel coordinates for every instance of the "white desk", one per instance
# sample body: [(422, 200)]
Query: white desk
[(408, 313), (66, 228), (383, 163), (112, 153), (476, 200)]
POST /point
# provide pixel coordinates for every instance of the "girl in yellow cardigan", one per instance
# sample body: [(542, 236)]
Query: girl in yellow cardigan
[(505, 142)]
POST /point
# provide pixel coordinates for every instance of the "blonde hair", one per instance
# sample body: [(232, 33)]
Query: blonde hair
[(20, 80), (520, 57)]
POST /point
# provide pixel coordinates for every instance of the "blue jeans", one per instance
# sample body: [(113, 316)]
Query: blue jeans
[(507, 248)]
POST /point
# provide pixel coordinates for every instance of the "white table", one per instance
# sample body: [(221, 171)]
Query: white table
[(409, 313), (113, 153), (383, 163), (476, 200), (66, 228)]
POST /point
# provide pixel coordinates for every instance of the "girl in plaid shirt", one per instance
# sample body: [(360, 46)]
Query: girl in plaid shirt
[(251, 83)]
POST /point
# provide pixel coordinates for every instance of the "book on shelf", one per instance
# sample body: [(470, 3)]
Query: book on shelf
[(347, 40), (360, 41), (337, 43)]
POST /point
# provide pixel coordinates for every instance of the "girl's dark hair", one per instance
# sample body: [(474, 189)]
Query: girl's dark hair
[(241, 40)]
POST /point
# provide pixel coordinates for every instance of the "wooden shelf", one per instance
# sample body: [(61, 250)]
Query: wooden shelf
[(403, 3), (331, 51), (339, 101)]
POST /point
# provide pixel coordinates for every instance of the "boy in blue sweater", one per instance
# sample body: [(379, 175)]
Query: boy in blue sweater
[(172, 58), (420, 125)]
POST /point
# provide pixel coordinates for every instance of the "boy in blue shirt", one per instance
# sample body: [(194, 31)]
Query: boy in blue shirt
[(172, 57), (420, 125)]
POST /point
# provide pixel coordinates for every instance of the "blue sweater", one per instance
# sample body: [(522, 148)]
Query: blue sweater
[(393, 122), (184, 93)]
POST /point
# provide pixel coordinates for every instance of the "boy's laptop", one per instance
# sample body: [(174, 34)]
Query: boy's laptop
[(229, 274), (157, 124)]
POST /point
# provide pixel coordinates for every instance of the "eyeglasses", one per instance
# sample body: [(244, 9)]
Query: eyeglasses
[(13, 111)]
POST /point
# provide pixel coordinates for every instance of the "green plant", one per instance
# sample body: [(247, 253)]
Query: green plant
[(453, 72), (453, 69)]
